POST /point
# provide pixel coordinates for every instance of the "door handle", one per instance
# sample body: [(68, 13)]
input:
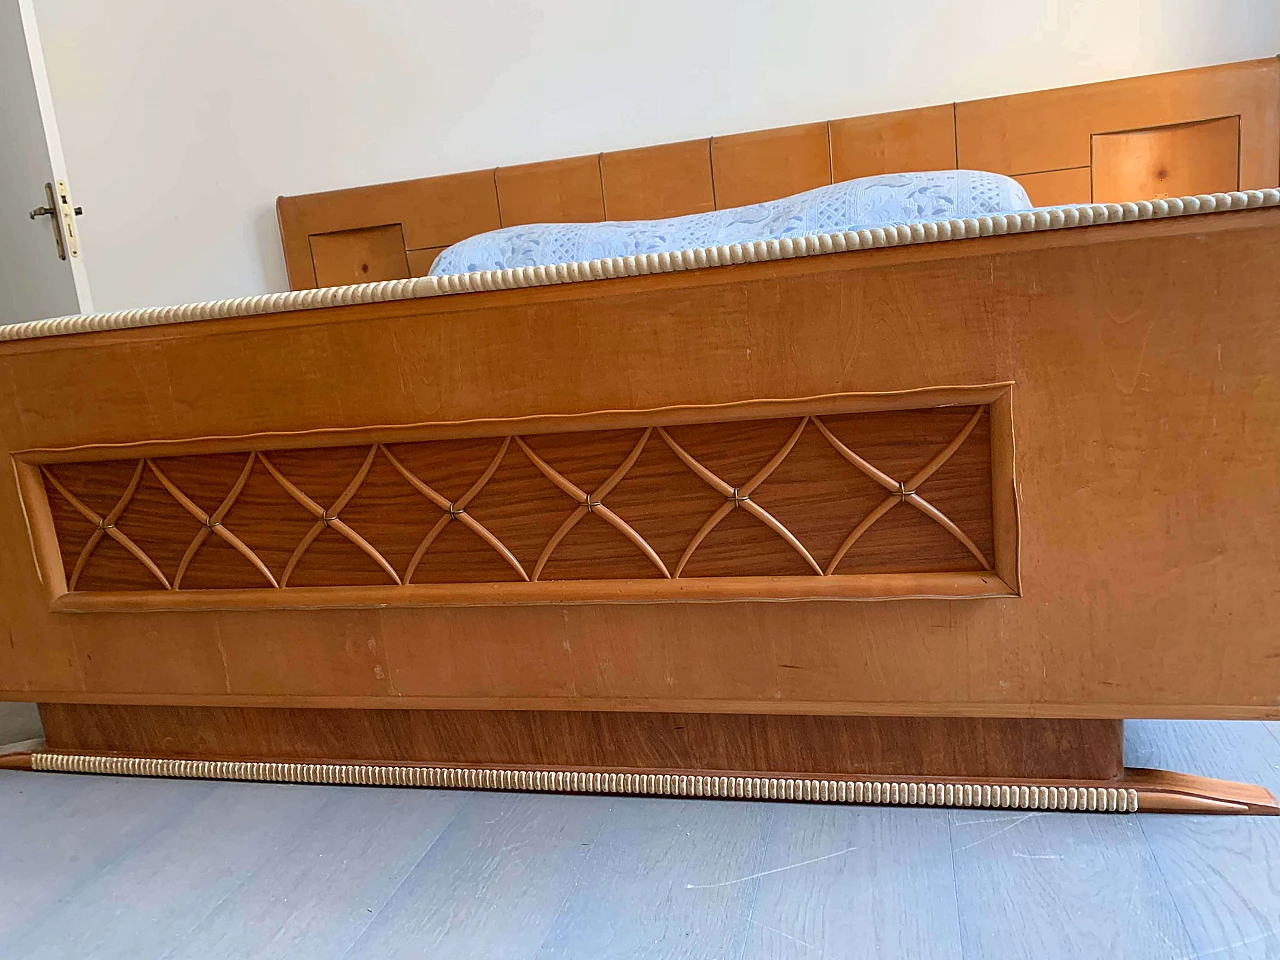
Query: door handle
[(58, 208)]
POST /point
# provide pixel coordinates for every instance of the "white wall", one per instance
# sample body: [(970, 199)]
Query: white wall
[(182, 121)]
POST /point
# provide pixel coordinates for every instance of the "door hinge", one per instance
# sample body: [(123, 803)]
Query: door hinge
[(58, 208)]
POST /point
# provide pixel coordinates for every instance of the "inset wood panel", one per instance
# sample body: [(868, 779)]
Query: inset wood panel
[(1051, 129), (923, 139), (904, 457), (555, 191), (359, 256), (768, 164), (824, 493), (680, 742), (432, 212), (1174, 161), (650, 183), (420, 260), (1059, 187)]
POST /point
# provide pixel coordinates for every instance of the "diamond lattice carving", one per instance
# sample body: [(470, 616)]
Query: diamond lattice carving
[(414, 505)]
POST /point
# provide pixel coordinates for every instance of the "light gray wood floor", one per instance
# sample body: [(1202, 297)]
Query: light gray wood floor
[(99, 867)]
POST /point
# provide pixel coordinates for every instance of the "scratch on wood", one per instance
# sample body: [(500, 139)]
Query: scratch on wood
[(765, 873)]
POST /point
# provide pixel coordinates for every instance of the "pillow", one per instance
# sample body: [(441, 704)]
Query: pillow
[(892, 198)]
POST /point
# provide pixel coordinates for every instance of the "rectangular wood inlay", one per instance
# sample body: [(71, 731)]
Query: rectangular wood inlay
[(859, 496)]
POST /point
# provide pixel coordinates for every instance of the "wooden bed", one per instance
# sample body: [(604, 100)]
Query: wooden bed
[(907, 516)]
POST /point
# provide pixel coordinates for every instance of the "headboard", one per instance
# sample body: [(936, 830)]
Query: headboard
[(1206, 130)]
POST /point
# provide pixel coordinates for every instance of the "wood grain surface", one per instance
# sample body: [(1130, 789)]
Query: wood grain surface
[(649, 183), (1108, 859), (798, 496), (431, 212), (518, 863), (824, 887), (921, 139), (363, 255), (555, 191), (1221, 880), (1073, 185), (684, 743), (767, 164), (1166, 161), (708, 895), (1142, 353), (1053, 129)]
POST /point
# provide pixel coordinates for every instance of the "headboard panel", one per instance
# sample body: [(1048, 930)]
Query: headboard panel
[(1206, 130), (923, 139), (649, 183), (767, 164)]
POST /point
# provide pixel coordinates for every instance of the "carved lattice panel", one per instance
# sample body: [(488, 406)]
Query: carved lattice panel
[(840, 496)]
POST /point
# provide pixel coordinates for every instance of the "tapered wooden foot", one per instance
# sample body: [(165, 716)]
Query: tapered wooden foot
[(1163, 791), (15, 761)]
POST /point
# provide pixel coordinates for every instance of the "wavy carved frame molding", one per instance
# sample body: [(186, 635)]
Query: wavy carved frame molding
[(996, 575)]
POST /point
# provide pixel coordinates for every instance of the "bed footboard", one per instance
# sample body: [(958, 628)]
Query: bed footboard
[(938, 515)]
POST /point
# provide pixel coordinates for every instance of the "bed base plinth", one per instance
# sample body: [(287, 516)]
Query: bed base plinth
[(1037, 764)]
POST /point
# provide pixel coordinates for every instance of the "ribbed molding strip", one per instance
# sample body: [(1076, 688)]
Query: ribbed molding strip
[(899, 793), (934, 231)]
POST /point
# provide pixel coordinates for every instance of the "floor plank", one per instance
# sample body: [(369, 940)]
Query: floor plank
[(1036, 884), (1223, 872), (853, 882), (61, 833), (666, 878), (141, 904), (492, 884), (322, 887)]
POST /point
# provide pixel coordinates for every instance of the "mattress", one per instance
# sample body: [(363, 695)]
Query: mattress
[(880, 201)]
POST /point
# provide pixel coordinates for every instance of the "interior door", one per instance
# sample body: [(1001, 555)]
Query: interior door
[(35, 281)]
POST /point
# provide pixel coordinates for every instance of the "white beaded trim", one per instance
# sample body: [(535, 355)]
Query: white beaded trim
[(1029, 797), (1056, 218)]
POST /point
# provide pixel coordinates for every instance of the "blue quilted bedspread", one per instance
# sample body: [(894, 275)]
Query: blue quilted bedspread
[(889, 199)]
